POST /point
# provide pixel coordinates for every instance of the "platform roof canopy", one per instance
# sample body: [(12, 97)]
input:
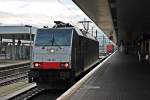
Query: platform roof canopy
[(21, 32), (98, 11), (123, 16)]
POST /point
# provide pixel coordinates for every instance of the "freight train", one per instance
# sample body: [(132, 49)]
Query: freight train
[(60, 54)]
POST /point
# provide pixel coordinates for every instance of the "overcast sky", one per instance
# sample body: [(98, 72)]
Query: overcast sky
[(39, 12)]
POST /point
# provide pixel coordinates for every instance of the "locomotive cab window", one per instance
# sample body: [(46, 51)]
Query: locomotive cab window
[(53, 37)]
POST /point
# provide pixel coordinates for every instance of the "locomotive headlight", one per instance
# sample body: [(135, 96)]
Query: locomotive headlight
[(66, 65), (52, 50), (36, 64)]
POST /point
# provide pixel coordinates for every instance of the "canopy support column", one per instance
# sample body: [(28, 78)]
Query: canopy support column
[(13, 47)]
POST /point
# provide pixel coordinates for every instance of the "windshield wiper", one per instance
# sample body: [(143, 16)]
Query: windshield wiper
[(53, 42)]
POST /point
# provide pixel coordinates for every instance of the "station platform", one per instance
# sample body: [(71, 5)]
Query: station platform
[(9, 91), (122, 77)]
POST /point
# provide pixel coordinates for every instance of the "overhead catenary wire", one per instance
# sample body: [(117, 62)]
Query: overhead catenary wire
[(69, 9), (75, 14), (72, 12)]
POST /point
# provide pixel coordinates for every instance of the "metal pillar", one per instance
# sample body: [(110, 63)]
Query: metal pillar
[(0, 43), (149, 48), (30, 31), (30, 44), (0, 39), (13, 47), (96, 34), (103, 44)]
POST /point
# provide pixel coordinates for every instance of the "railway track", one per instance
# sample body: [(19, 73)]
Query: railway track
[(37, 93), (27, 94), (9, 75), (13, 79)]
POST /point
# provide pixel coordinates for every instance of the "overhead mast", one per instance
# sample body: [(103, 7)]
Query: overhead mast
[(86, 25)]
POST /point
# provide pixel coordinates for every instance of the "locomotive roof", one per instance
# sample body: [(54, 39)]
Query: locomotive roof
[(79, 32), (82, 33)]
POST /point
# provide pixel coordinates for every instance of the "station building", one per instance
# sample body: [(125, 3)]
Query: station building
[(15, 42)]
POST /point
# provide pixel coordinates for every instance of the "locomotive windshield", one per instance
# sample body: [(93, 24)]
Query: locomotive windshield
[(53, 37)]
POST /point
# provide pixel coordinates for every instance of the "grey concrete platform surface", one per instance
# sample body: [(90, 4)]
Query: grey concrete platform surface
[(123, 78), (9, 91)]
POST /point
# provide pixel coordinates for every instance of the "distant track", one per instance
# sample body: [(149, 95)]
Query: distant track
[(12, 74), (27, 94)]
